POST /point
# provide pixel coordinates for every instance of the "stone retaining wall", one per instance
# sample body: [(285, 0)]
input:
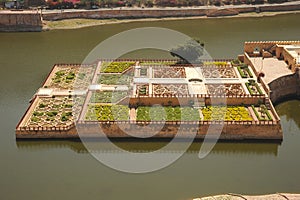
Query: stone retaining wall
[(165, 12), (20, 22), (285, 87), (234, 131)]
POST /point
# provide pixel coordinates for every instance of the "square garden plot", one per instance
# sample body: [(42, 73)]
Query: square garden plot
[(167, 113), (107, 96), (172, 89), (98, 112)]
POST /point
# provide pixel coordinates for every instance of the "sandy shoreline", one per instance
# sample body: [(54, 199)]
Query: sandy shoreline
[(82, 23)]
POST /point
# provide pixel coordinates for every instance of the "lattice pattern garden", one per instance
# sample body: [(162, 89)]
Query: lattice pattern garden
[(225, 89), (176, 89), (169, 72), (52, 112), (218, 72), (69, 77)]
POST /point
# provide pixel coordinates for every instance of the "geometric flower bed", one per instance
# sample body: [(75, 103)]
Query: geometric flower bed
[(114, 79), (115, 67), (165, 89), (225, 89), (65, 78), (169, 72), (107, 112), (253, 88), (229, 113), (142, 90), (51, 112), (167, 113), (218, 72), (262, 112), (244, 71), (107, 96)]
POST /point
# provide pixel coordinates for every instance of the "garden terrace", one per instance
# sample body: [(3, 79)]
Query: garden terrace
[(115, 79), (128, 91), (169, 72), (167, 113), (108, 96), (175, 89), (51, 112), (245, 71), (262, 113), (225, 89), (210, 71), (69, 76), (229, 113), (99, 112), (116, 67), (253, 88)]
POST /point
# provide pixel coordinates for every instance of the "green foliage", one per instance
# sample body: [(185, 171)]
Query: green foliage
[(115, 67), (216, 63), (235, 62), (253, 88), (264, 113), (36, 113), (107, 112), (51, 113), (107, 96), (63, 76), (142, 90), (190, 52), (35, 119), (230, 113), (143, 63), (41, 105), (70, 76), (114, 79), (65, 116), (167, 113)]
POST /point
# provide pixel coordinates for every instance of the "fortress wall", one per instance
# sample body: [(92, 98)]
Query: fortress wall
[(284, 87), (125, 14), (20, 22), (165, 12), (228, 131), (279, 8)]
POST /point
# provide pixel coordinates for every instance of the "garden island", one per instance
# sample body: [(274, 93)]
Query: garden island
[(162, 95)]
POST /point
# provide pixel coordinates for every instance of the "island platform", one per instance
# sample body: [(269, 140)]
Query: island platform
[(161, 98)]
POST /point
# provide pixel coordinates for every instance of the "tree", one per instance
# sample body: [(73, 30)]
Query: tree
[(190, 52)]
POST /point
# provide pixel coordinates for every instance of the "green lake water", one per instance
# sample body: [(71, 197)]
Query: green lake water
[(64, 170)]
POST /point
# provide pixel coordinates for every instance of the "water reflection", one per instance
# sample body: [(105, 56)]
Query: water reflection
[(137, 146), (290, 111)]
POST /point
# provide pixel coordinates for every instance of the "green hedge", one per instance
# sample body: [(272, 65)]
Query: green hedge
[(257, 115), (251, 91)]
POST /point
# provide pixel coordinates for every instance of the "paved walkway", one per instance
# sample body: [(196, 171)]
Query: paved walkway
[(271, 67)]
